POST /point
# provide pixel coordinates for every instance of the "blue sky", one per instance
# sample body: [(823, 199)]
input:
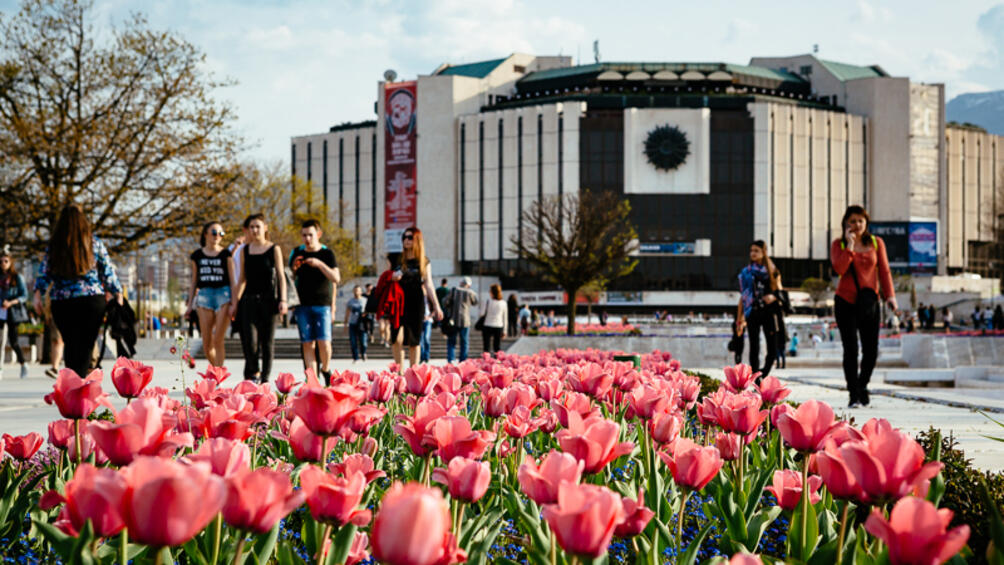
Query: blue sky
[(306, 65)]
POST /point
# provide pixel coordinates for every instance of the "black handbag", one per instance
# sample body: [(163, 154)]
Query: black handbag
[(866, 303), (480, 325), (18, 313)]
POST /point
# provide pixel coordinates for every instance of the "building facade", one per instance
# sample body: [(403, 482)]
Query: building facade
[(711, 156)]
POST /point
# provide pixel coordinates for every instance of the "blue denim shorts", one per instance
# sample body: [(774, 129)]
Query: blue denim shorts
[(314, 323), (212, 298)]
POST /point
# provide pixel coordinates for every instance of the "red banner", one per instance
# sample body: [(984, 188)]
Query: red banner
[(400, 106)]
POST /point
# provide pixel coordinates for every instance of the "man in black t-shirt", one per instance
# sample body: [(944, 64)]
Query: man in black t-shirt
[(316, 275)]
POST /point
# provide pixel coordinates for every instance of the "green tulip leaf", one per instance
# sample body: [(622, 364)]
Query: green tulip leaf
[(690, 556)]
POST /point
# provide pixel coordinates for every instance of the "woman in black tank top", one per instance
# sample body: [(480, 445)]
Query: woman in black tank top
[(260, 284)]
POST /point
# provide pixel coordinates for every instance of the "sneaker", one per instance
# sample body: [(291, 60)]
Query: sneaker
[(52, 373), (854, 404), (24, 371), (326, 375), (364, 357), (865, 401)]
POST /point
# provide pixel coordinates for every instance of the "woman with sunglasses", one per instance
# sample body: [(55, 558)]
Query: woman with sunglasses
[(413, 274), (210, 291)]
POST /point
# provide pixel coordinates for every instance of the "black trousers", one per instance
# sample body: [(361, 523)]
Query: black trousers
[(12, 339), (765, 320), (258, 318), (492, 338), (852, 324), (78, 320)]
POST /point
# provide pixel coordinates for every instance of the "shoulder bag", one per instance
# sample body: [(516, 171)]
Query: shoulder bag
[(866, 303)]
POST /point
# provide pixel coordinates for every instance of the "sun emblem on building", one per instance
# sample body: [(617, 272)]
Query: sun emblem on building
[(667, 147)]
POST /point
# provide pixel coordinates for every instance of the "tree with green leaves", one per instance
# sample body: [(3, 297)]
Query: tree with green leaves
[(578, 241), (122, 121), (816, 289)]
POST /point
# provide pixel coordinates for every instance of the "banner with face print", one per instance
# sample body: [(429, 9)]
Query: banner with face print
[(400, 105)]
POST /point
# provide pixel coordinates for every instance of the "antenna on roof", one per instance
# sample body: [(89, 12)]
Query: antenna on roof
[(596, 50), (815, 48), (390, 75)]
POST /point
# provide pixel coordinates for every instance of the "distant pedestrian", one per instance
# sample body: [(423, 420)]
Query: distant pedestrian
[(355, 310), (998, 318), (977, 317), (988, 318), (738, 340), (13, 312), (441, 291), (947, 318), (524, 319), (260, 295), (77, 273), (458, 303), (758, 307), (386, 301), (495, 320), (414, 275), (513, 315), (425, 344), (210, 291), (860, 259), (316, 276), (793, 350)]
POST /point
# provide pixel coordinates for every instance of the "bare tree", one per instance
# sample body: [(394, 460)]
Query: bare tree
[(120, 121), (578, 241)]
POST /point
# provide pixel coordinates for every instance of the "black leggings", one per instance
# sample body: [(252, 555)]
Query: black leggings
[(767, 321), (492, 338), (852, 323), (12, 339), (258, 318), (78, 320)]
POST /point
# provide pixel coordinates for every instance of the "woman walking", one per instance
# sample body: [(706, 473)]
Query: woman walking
[(261, 295), (13, 295), (758, 308), (355, 314), (413, 274), (860, 259), (210, 291), (496, 318), (77, 273)]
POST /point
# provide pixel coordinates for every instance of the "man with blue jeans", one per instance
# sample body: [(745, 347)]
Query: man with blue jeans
[(316, 275), (458, 305), (355, 311)]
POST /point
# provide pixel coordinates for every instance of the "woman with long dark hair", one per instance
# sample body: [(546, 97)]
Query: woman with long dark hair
[(77, 273), (261, 295), (210, 291), (413, 274), (495, 320), (860, 259), (759, 308), (13, 295)]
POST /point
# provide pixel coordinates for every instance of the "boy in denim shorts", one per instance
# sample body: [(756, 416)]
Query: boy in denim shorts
[(316, 275)]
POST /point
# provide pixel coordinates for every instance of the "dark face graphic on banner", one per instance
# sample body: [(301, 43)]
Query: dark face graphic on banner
[(400, 188), (401, 112)]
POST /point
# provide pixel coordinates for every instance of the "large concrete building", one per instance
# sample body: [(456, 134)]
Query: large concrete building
[(773, 150)]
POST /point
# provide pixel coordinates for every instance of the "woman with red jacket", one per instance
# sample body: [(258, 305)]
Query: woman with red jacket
[(386, 301), (860, 259)]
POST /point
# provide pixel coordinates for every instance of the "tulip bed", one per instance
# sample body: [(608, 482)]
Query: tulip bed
[(562, 457), (610, 329)]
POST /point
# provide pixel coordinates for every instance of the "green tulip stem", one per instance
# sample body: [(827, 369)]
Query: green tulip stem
[(554, 546), (76, 439), (158, 556), (679, 521), (458, 516), (254, 450), (843, 531), (217, 537), (805, 499), (123, 547), (240, 547), (425, 470), (320, 544)]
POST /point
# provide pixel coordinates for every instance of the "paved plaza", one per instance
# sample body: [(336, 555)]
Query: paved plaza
[(914, 409)]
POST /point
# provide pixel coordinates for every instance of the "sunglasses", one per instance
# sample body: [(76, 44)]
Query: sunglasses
[(217, 232), (407, 237)]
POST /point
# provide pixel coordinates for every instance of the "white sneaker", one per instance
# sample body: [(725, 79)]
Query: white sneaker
[(24, 371)]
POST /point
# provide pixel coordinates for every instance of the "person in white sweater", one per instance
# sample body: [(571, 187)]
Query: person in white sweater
[(495, 314)]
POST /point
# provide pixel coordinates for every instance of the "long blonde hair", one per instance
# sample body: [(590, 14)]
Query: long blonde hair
[(417, 250)]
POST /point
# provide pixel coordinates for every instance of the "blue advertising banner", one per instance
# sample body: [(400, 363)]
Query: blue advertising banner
[(672, 248), (923, 242)]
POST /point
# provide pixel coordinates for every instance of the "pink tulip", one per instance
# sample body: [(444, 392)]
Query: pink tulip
[(167, 502), (740, 413), (692, 466), (334, 500), (414, 428), (130, 377), (453, 437), (917, 532), (326, 410), (573, 402), (359, 550), (636, 516), (217, 374), (805, 428), (421, 379), (257, 499), (787, 488), (836, 475), (888, 465), (92, 494), (520, 423), (364, 418), (23, 447), (745, 559), (584, 518), (382, 388), (285, 382), (75, 397), (591, 379), (61, 433), (540, 484), (226, 457), (306, 446), (772, 391), (549, 389), (729, 445), (412, 527), (664, 427), (739, 377), (142, 428), (593, 441), (465, 479), (494, 402), (648, 400), (357, 463)]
